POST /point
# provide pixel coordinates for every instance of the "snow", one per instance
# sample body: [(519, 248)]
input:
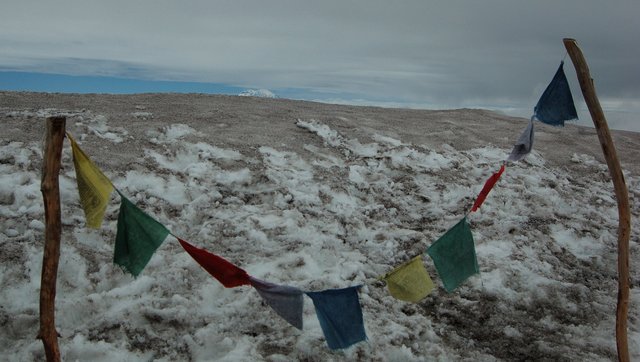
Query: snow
[(342, 213), (142, 115), (98, 126)]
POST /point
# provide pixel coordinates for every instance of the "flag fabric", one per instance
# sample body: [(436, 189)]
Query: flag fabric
[(410, 282), (227, 273), (523, 145), (93, 186), (556, 103), (454, 255), (340, 316), (286, 301), (488, 185), (137, 238)]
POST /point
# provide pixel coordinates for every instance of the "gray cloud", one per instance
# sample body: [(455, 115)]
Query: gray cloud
[(494, 53)]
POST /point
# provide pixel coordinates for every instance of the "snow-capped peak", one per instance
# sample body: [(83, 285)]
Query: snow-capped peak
[(263, 93)]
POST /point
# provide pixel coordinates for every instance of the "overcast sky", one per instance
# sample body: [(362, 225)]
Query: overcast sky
[(445, 54)]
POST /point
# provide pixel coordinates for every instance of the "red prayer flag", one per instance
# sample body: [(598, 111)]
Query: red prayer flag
[(228, 274), (487, 187)]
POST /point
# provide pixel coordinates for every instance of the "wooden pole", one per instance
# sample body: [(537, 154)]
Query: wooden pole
[(54, 138), (620, 188)]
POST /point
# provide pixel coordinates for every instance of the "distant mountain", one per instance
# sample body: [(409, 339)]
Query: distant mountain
[(262, 93)]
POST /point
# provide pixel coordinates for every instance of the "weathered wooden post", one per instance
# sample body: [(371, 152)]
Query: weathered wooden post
[(620, 189), (54, 138)]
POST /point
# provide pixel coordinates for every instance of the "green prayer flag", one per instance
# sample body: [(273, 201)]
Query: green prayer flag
[(409, 282), (454, 255), (137, 238)]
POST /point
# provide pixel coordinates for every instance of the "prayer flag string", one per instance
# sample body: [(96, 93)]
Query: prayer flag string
[(338, 310)]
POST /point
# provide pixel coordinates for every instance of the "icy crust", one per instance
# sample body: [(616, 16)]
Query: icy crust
[(340, 214)]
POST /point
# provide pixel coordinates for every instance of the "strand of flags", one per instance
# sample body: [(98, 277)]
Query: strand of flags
[(339, 312)]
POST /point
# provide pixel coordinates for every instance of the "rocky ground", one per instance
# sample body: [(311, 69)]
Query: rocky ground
[(316, 196)]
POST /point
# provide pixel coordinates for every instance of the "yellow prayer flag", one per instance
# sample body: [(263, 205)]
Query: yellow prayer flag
[(93, 186), (410, 282)]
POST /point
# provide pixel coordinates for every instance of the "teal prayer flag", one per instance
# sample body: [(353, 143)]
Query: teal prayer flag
[(137, 238), (454, 255)]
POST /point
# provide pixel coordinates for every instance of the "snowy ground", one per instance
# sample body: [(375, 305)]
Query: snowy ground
[(314, 196)]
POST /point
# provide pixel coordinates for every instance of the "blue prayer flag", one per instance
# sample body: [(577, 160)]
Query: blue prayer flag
[(556, 103), (340, 316)]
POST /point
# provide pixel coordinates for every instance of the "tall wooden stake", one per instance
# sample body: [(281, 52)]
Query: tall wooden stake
[(54, 138), (620, 188)]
